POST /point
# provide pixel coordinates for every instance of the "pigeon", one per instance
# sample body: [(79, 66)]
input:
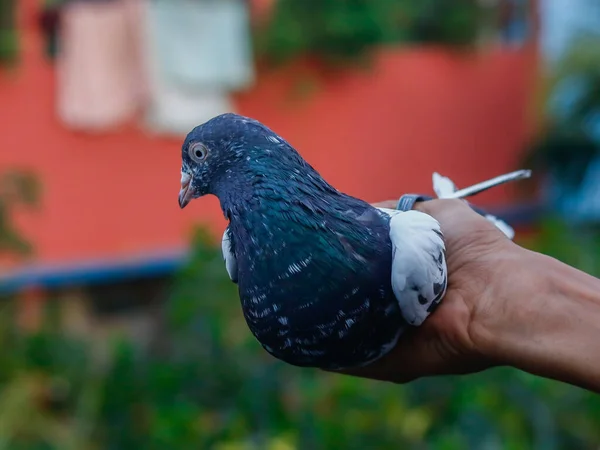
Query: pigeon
[(325, 280)]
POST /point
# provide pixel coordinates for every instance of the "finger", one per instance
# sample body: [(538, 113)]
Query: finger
[(458, 219), (391, 204), (447, 209)]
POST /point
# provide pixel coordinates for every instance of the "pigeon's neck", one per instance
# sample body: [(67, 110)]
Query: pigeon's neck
[(278, 228), (260, 191), (234, 196)]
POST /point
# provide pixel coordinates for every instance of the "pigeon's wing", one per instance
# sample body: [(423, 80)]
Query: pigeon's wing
[(419, 272), (229, 257)]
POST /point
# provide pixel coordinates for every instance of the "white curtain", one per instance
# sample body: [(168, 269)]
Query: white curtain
[(197, 52)]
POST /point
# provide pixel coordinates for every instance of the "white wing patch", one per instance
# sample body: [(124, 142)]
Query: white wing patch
[(419, 272), (389, 212), (229, 257)]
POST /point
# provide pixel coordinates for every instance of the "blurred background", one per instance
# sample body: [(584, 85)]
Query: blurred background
[(119, 328)]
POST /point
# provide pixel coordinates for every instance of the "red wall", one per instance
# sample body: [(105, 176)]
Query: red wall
[(374, 135)]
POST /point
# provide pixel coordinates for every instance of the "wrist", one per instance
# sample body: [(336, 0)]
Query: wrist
[(546, 321)]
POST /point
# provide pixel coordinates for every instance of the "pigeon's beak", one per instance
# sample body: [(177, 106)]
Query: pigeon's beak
[(186, 192)]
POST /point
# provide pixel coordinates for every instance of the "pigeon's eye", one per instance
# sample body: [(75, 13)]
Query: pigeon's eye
[(198, 152)]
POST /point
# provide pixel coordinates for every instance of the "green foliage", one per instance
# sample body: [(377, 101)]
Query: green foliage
[(8, 33), (345, 31), (17, 188), (571, 139), (207, 384), (44, 387), (575, 245), (451, 23)]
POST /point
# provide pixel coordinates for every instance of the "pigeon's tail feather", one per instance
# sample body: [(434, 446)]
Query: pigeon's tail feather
[(445, 188), (488, 184), (508, 231)]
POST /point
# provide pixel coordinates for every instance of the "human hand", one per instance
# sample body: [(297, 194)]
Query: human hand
[(454, 339)]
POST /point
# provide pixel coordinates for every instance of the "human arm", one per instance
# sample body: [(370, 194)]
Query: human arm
[(552, 329)]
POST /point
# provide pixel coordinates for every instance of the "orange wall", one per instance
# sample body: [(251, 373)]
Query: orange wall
[(374, 135)]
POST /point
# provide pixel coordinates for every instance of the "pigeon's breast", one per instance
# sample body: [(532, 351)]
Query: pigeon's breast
[(321, 298)]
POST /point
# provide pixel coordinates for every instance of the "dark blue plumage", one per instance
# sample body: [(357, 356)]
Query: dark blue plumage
[(313, 264)]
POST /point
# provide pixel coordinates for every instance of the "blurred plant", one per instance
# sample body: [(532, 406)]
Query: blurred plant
[(455, 24), (8, 32), (576, 245), (345, 31), (16, 188), (44, 388), (571, 137), (207, 384), (49, 22), (212, 386)]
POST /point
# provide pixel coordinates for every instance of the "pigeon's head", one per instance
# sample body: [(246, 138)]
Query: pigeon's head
[(228, 151)]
